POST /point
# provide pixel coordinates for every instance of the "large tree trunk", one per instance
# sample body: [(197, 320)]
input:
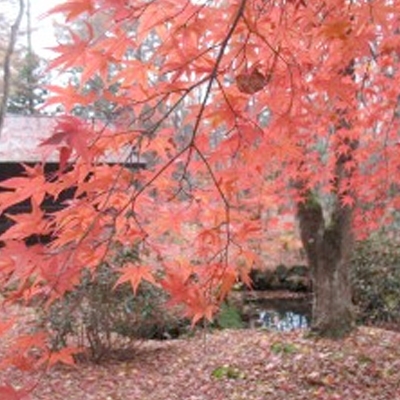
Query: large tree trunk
[(328, 250), (329, 246)]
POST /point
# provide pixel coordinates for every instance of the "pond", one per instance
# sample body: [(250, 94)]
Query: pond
[(282, 314)]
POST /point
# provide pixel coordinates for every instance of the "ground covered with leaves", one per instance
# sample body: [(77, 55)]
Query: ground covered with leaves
[(235, 365)]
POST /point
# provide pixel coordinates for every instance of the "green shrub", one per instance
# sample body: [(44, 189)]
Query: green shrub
[(105, 320), (229, 317), (283, 348), (227, 372), (376, 281)]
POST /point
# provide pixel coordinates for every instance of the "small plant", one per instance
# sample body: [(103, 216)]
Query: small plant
[(227, 372), (229, 317), (106, 320), (283, 348)]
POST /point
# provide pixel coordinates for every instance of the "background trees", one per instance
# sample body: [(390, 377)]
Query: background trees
[(23, 79), (8, 50), (282, 106), (27, 89)]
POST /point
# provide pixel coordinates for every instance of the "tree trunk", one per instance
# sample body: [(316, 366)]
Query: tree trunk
[(329, 246), (328, 250), (7, 63)]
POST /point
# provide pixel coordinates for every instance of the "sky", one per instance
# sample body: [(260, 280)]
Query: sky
[(43, 35)]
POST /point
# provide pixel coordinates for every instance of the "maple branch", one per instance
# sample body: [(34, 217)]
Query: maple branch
[(211, 78), (276, 52), (214, 179), (234, 112), (7, 63), (190, 146), (214, 73)]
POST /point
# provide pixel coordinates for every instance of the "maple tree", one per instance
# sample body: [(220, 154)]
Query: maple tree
[(244, 110)]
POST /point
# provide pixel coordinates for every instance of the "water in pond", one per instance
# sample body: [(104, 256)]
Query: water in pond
[(287, 321), (280, 314)]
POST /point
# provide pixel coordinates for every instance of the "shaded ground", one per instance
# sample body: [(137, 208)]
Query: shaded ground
[(237, 365)]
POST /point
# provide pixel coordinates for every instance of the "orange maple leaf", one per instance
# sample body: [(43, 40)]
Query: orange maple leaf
[(68, 96), (134, 274), (70, 131), (73, 9), (176, 283), (71, 55), (26, 224), (7, 392), (64, 356), (33, 185), (199, 307), (6, 325)]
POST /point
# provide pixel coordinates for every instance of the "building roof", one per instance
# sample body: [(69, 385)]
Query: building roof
[(22, 135)]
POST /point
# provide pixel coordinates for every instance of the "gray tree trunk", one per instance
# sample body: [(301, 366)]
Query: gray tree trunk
[(328, 250), (329, 246)]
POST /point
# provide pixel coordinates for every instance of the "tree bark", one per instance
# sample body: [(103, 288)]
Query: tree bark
[(328, 249), (329, 246)]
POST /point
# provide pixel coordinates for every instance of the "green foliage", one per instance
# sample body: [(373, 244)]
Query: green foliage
[(229, 317), (27, 92), (227, 372), (376, 281), (283, 348), (107, 320)]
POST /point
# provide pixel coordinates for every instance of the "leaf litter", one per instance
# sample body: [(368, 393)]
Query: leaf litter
[(248, 364)]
